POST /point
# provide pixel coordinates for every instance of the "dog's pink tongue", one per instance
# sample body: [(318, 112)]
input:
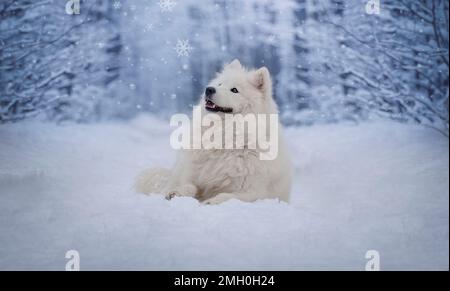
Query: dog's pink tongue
[(210, 104)]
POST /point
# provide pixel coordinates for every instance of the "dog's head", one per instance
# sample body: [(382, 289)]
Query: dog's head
[(236, 90)]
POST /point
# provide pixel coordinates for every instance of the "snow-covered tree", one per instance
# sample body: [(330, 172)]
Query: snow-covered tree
[(55, 64), (395, 64), (330, 60)]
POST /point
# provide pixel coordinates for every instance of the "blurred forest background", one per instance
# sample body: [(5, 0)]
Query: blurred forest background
[(331, 60)]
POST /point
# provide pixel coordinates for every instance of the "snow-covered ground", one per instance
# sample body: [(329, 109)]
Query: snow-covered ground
[(381, 186)]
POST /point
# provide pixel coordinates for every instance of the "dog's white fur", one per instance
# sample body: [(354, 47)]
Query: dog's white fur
[(214, 176)]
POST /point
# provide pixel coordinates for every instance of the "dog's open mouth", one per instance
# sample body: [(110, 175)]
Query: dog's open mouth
[(211, 106)]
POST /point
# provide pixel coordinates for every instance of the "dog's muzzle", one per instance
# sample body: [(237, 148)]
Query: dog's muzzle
[(213, 107)]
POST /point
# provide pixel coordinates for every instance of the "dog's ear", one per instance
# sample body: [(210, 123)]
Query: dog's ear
[(262, 81), (235, 64)]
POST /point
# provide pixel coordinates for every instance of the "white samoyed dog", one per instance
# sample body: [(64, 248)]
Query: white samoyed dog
[(216, 175)]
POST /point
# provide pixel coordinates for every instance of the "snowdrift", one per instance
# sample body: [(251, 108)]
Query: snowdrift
[(376, 186)]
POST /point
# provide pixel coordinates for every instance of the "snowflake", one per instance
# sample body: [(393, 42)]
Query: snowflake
[(183, 48), (272, 39), (149, 27), (117, 5), (167, 5)]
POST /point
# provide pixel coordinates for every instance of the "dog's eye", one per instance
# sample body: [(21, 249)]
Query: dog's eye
[(234, 90)]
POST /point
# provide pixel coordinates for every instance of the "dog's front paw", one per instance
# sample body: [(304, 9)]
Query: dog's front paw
[(188, 190), (219, 198), (171, 195)]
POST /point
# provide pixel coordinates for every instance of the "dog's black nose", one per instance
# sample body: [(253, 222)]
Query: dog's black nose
[(210, 91)]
